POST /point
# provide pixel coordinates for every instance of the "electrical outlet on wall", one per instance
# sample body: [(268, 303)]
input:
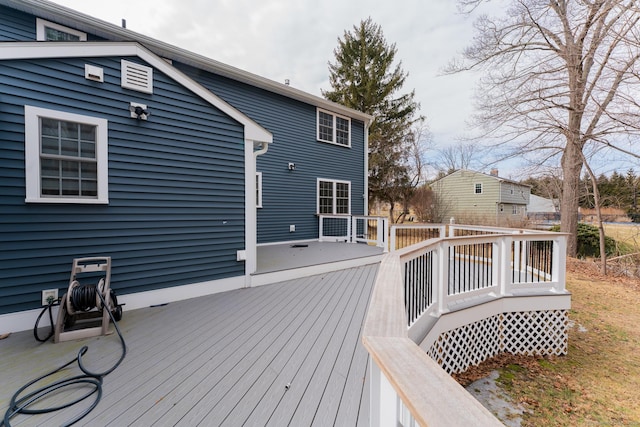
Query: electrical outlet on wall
[(49, 294), (292, 228)]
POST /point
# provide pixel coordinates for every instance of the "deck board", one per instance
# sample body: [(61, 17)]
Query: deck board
[(223, 359), (329, 365), (211, 360), (318, 341), (289, 342), (171, 348), (257, 355), (289, 357), (349, 369)]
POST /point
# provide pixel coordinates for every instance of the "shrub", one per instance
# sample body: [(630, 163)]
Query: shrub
[(589, 241)]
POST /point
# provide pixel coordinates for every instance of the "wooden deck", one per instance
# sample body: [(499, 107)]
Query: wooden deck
[(287, 354)]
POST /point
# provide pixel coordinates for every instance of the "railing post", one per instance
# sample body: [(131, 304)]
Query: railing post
[(503, 259), (442, 274), (382, 233), (383, 399), (320, 223), (352, 230), (559, 260), (392, 238)]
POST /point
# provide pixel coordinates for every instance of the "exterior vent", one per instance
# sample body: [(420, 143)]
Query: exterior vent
[(137, 77), (91, 72)]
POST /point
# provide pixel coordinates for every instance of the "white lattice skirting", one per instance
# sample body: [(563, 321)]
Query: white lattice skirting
[(528, 332)]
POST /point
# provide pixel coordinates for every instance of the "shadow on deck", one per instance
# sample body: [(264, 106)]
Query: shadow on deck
[(285, 354)]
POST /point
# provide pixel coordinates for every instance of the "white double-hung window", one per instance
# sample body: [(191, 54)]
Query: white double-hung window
[(65, 157), (333, 128), (334, 197)]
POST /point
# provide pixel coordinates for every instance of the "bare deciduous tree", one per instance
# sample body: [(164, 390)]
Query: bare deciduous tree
[(561, 77), (416, 144), (458, 156)]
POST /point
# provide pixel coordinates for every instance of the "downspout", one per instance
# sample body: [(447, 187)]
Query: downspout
[(261, 151), (251, 212)]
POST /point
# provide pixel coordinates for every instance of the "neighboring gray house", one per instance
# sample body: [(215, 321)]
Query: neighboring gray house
[(470, 196), (176, 166), (541, 208)]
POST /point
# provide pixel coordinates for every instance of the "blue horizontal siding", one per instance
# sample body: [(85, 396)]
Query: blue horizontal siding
[(16, 26), (20, 26), (176, 186), (289, 197)]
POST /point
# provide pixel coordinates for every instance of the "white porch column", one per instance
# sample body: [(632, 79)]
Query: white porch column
[(250, 212)]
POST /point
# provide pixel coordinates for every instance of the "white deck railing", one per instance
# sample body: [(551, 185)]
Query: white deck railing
[(403, 235), (418, 285), (354, 229)]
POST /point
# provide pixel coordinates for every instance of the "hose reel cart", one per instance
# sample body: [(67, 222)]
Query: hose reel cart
[(81, 313)]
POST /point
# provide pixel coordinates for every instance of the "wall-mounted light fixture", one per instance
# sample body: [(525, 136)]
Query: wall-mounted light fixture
[(138, 111), (292, 166)]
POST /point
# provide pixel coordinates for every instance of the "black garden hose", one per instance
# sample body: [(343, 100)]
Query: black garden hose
[(20, 405), (35, 327)]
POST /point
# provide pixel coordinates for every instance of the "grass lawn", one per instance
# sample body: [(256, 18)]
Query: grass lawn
[(627, 233), (598, 382)]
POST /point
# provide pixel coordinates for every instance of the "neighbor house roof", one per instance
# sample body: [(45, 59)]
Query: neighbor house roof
[(496, 177), (65, 16), (539, 204)]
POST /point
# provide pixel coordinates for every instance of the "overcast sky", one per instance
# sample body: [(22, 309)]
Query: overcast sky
[(294, 39)]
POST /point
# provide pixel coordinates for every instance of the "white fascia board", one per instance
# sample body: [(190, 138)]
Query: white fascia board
[(41, 50), (69, 17)]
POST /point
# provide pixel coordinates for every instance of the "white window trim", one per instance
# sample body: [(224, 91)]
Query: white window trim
[(481, 188), (40, 30), (259, 189), (335, 129), (32, 155), (334, 181)]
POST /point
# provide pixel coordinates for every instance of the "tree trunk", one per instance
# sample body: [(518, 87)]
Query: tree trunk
[(571, 169), (596, 199)]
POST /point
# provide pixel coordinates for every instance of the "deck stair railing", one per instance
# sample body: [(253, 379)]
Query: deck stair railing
[(371, 230), (446, 283)]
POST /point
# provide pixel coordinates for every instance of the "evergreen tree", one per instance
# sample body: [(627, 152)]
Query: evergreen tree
[(364, 77)]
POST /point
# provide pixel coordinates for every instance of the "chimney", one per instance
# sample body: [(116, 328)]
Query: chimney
[(494, 172)]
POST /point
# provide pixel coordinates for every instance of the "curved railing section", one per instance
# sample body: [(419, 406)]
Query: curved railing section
[(448, 302)]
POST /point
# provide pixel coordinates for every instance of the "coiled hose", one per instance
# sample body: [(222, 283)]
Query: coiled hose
[(21, 405)]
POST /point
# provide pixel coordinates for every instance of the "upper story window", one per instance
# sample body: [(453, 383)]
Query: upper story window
[(48, 31), (477, 188), (65, 157), (334, 197), (333, 128)]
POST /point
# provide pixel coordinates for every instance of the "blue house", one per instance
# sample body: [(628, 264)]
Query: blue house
[(175, 165)]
